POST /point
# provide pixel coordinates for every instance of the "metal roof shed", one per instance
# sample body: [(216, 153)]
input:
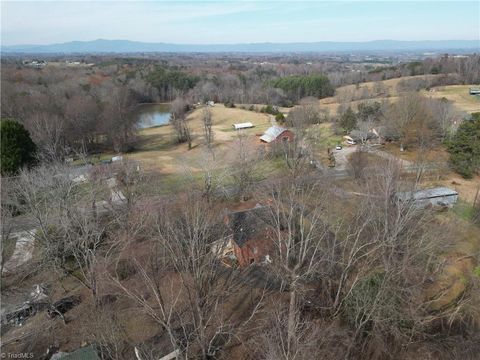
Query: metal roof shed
[(245, 125), (439, 196), (272, 133)]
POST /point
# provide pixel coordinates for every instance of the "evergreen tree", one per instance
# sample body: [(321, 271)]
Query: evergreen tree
[(17, 148), (348, 121), (464, 147)]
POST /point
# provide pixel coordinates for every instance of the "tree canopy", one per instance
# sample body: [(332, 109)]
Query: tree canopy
[(17, 147), (348, 121), (300, 86), (166, 80)]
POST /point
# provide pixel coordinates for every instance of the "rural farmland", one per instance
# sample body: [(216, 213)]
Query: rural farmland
[(240, 180)]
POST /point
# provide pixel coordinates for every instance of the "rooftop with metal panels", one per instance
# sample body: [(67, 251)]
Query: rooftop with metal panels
[(426, 193)]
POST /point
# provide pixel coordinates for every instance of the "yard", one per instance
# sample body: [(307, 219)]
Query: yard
[(179, 168), (157, 148), (436, 154), (459, 95), (322, 138)]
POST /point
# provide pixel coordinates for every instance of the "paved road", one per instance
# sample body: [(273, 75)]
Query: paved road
[(341, 158)]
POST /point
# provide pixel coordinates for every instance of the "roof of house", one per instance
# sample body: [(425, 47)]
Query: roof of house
[(359, 135), (248, 224), (272, 133), (426, 193)]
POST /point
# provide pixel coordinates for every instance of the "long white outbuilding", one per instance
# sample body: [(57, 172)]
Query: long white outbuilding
[(245, 125)]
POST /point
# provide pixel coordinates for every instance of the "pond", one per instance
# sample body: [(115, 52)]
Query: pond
[(150, 115)]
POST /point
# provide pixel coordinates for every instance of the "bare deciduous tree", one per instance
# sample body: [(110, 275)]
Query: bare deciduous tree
[(244, 166), (192, 296), (178, 119), (299, 237), (207, 127), (69, 226)]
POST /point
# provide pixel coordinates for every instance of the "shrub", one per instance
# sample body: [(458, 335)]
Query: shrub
[(269, 109), (280, 117), (125, 269), (358, 161), (476, 271)]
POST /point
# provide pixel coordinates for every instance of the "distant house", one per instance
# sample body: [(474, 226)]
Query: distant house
[(80, 173), (359, 136), (35, 63), (276, 133), (211, 103), (245, 125), (385, 134), (251, 237), (439, 196)]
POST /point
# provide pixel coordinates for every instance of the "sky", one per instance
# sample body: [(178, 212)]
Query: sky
[(228, 22)]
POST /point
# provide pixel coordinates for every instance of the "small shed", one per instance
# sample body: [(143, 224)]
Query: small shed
[(275, 133), (245, 125), (439, 196)]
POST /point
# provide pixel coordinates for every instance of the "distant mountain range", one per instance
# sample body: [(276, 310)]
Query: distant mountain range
[(127, 46)]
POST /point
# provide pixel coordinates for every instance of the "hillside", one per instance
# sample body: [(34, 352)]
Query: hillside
[(126, 46), (390, 90), (459, 95)]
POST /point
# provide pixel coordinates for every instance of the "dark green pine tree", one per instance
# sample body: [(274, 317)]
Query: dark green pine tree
[(17, 148), (464, 147)]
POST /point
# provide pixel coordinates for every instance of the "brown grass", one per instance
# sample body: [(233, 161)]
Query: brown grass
[(459, 95), (436, 154), (158, 149), (466, 188)]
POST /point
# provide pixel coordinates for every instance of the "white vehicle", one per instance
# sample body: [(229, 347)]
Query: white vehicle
[(338, 147), (351, 142)]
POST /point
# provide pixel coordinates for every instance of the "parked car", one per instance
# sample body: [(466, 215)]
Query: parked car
[(351, 142), (338, 147)]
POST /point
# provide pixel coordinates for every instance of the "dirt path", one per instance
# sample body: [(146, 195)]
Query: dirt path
[(23, 251)]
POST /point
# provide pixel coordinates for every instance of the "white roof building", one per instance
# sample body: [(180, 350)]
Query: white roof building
[(439, 196), (245, 125)]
